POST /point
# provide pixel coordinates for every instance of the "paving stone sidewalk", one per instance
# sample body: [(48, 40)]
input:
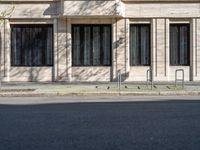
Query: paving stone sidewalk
[(104, 89)]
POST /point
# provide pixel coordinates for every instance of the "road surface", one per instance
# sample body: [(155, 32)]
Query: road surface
[(147, 125)]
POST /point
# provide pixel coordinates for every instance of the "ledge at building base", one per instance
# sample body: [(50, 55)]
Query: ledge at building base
[(99, 94), (32, 89)]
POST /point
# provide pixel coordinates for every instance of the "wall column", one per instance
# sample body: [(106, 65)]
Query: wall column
[(62, 63), (55, 66), (153, 48), (127, 50), (160, 50), (119, 48), (167, 48), (69, 50), (193, 58), (2, 47), (197, 50), (7, 49), (114, 50)]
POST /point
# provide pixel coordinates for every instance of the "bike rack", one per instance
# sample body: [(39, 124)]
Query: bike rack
[(177, 79), (119, 79), (0, 83), (149, 75)]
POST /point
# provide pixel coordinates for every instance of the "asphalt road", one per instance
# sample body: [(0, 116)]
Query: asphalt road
[(158, 125)]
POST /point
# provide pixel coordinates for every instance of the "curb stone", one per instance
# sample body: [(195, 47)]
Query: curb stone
[(161, 93)]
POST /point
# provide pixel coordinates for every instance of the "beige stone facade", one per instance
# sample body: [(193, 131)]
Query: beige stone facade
[(62, 14)]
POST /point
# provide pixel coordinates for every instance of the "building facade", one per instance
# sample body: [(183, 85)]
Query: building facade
[(90, 40)]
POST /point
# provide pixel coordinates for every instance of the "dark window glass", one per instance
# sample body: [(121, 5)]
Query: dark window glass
[(91, 45), (31, 45), (140, 44), (180, 44)]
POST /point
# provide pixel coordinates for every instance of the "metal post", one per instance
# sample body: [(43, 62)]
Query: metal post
[(119, 80), (182, 79), (149, 78), (147, 75), (151, 74)]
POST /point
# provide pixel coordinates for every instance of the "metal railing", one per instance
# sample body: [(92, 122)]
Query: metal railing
[(149, 81), (119, 80), (179, 80)]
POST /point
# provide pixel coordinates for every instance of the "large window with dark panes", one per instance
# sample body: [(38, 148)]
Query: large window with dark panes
[(31, 45), (140, 45), (180, 44), (91, 45)]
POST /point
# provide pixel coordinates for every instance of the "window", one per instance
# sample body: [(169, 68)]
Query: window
[(91, 45), (180, 44), (140, 45), (31, 45)]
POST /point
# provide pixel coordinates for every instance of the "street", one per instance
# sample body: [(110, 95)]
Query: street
[(165, 124)]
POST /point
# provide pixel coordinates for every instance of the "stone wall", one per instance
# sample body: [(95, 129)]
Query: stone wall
[(62, 14)]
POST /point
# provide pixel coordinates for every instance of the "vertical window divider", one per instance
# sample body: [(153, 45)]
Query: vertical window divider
[(72, 45), (91, 46), (101, 45), (22, 49), (179, 47), (81, 45), (31, 47), (140, 45)]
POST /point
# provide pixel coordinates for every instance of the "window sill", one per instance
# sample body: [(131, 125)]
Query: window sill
[(31, 66), (91, 66), (140, 65), (179, 65)]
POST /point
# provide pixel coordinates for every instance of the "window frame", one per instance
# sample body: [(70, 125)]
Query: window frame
[(91, 54), (188, 40), (139, 25), (32, 26)]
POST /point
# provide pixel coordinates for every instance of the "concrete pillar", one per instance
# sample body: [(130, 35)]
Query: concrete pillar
[(153, 48), (197, 50), (114, 50), (2, 47), (160, 51), (167, 48), (61, 53), (69, 50), (119, 46), (7, 44), (127, 51), (193, 56), (55, 68)]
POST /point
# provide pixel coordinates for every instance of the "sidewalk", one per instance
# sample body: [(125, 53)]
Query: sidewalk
[(30, 89)]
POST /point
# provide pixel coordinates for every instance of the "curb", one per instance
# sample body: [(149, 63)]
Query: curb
[(32, 94)]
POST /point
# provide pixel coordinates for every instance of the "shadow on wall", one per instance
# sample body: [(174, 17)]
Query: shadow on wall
[(88, 7), (39, 11), (91, 73), (119, 54), (31, 74), (52, 10), (80, 7)]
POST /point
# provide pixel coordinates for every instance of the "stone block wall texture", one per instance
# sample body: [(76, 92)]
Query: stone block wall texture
[(120, 14)]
